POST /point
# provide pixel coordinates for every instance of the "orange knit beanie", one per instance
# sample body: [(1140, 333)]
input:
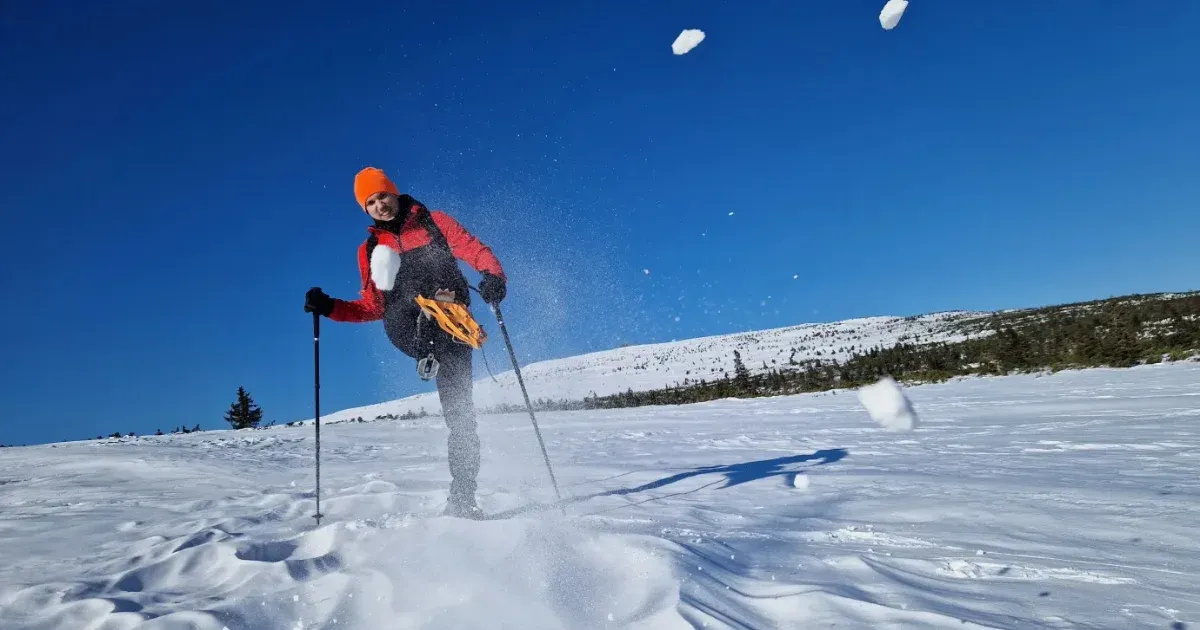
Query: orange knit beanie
[(369, 181)]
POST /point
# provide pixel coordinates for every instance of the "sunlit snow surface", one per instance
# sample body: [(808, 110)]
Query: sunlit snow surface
[(1059, 501)]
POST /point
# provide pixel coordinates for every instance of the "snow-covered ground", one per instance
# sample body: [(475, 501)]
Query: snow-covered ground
[(1058, 501), (653, 366)]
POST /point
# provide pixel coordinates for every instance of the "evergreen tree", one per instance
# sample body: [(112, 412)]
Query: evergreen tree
[(243, 414), (741, 375)]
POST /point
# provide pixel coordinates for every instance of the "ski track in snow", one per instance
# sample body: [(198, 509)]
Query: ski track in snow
[(1056, 501)]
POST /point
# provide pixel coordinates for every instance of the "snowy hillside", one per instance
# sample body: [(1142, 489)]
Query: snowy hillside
[(1059, 501), (653, 366), (1119, 331)]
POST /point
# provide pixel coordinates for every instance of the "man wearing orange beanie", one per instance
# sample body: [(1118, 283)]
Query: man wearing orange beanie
[(411, 251)]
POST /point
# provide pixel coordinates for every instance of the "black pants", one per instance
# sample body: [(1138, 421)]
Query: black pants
[(417, 338)]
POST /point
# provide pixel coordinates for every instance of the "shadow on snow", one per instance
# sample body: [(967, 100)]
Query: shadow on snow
[(734, 475)]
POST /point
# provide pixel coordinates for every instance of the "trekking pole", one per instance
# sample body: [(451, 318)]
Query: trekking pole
[(517, 368), (317, 404)]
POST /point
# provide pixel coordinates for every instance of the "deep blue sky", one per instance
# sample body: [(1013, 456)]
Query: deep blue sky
[(176, 175)]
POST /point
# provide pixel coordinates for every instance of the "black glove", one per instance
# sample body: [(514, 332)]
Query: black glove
[(315, 301), (492, 288)]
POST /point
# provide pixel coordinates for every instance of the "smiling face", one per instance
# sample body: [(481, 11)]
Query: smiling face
[(383, 206)]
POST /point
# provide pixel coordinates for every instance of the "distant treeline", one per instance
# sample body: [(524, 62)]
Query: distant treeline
[(408, 415), (180, 429), (1117, 332)]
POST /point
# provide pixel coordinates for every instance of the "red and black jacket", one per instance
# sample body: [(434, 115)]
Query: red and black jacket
[(428, 242)]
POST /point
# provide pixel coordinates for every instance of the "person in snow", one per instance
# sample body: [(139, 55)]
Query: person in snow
[(412, 251)]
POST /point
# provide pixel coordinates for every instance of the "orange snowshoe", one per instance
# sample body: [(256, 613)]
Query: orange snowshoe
[(452, 317)]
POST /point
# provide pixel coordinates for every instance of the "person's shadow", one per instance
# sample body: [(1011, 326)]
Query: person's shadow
[(734, 474)]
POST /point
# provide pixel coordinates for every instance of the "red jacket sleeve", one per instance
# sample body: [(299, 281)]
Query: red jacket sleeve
[(369, 306), (466, 247)]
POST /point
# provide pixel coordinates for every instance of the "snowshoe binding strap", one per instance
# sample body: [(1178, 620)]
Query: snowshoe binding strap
[(454, 318), (427, 368)]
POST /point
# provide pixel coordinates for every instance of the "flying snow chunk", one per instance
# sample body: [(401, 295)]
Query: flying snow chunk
[(890, 16), (887, 405), (687, 40), (385, 264)]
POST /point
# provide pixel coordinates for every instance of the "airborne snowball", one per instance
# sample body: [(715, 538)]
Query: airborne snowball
[(890, 16), (887, 405), (687, 40), (385, 264)]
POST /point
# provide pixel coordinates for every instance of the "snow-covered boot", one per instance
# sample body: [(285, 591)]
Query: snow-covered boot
[(463, 508)]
